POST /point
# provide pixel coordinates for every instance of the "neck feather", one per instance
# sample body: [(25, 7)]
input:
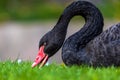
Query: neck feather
[(93, 21)]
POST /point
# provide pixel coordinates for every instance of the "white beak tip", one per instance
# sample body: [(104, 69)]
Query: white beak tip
[(34, 64)]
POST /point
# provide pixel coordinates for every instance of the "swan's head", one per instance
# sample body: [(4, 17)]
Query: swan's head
[(49, 44)]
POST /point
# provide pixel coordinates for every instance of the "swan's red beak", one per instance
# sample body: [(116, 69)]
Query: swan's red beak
[(41, 58)]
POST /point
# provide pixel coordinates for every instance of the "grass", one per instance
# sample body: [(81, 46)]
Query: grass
[(23, 71)]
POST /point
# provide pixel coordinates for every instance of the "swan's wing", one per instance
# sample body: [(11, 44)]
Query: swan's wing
[(105, 48), (111, 34)]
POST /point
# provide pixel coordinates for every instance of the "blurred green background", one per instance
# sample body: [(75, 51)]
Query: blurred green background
[(31, 10)]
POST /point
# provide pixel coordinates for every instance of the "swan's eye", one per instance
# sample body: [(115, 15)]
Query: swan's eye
[(45, 44)]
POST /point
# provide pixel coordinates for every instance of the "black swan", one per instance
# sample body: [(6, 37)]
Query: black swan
[(90, 45)]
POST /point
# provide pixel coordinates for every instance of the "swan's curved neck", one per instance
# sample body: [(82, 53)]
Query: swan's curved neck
[(93, 21)]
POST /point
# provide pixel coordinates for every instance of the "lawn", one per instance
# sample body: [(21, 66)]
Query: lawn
[(23, 71)]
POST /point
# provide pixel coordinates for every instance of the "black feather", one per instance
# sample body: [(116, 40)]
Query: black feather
[(90, 45)]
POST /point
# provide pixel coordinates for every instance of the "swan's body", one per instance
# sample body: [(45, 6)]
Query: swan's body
[(103, 50), (90, 45)]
